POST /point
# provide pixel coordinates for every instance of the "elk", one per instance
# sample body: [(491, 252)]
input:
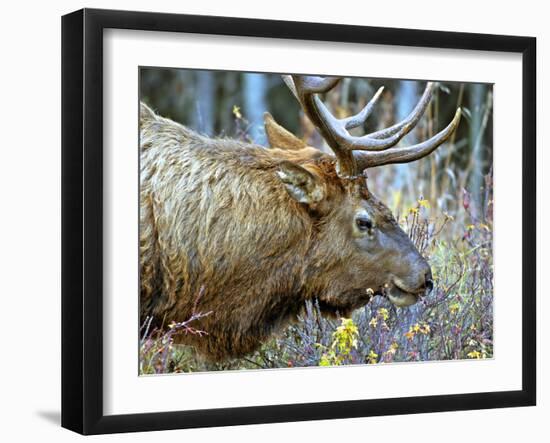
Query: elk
[(258, 231)]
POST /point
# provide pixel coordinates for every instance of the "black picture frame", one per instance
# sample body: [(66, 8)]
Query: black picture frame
[(82, 220)]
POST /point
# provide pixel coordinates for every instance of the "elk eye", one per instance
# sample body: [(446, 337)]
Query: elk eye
[(364, 223)]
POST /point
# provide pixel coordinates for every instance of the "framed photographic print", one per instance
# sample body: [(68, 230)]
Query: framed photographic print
[(273, 221)]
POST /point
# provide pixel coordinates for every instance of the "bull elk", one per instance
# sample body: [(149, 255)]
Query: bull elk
[(260, 231)]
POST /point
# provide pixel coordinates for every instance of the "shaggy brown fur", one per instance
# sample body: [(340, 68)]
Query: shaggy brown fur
[(219, 214)]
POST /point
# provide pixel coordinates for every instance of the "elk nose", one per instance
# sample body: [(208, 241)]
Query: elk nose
[(429, 283)]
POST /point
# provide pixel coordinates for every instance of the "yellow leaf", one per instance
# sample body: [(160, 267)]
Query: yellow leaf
[(237, 112), (372, 358), (424, 203), (454, 308), (448, 217), (484, 226), (474, 354)]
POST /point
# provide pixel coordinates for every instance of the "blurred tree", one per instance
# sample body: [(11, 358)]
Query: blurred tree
[(480, 109), (405, 98), (204, 102), (255, 92)]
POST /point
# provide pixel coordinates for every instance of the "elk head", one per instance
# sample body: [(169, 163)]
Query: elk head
[(361, 251)]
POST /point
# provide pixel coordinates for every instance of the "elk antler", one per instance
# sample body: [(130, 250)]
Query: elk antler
[(354, 154)]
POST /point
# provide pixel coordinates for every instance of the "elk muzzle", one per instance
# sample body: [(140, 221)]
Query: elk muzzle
[(404, 292)]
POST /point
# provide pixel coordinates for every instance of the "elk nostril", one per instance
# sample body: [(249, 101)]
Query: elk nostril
[(429, 285)]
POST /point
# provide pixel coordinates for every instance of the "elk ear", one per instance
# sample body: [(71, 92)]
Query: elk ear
[(146, 114), (302, 185), (279, 137)]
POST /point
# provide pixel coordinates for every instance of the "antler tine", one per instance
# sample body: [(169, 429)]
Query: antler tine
[(347, 142), (305, 88), (335, 131), (412, 119), (313, 85), (290, 85), (358, 119), (407, 154)]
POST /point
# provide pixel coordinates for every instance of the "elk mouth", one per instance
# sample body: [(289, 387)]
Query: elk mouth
[(399, 295)]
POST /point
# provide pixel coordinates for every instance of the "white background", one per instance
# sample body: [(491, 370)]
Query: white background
[(124, 392), (30, 220)]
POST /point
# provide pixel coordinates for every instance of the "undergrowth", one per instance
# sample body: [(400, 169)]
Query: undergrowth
[(455, 321)]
